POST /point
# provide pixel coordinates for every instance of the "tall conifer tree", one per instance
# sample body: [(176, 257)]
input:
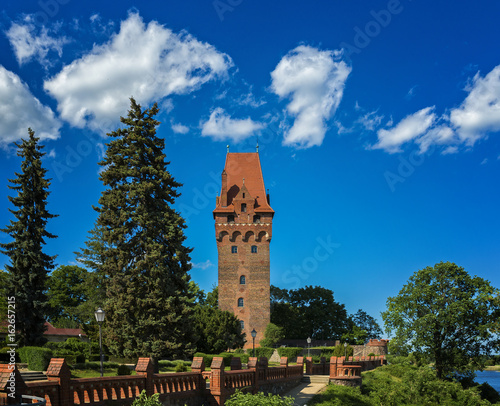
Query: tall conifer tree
[(145, 262), (29, 265)]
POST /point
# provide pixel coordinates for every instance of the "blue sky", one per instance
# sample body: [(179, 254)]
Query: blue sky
[(378, 124)]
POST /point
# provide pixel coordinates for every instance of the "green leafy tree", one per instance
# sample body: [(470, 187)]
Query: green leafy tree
[(3, 300), (258, 399), (366, 322), (145, 263), (29, 265), (309, 312), (67, 292), (217, 330), (444, 313), (357, 336), (272, 336)]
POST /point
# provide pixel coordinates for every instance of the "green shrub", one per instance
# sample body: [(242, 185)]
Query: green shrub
[(207, 358), (120, 360), (239, 351), (80, 358), (289, 352), (372, 354), (68, 355), (37, 358), (180, 367), (144, 400), (227, 357), (166, 364), (123, 370), (259, 399), (261, 352), (243, 358)]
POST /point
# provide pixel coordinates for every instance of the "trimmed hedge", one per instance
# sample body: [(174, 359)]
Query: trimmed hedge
[(37, 358), (290, 352), (262, 352), (123, 370)]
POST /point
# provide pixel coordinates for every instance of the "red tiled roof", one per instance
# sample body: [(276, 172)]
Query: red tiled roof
[(51, 330), (246, 166)]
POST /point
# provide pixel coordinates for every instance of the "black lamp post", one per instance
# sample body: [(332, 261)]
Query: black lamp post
[(254, 334), (99, 316), (308, 346)]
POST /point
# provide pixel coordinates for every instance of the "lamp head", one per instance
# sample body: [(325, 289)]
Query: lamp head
[(99, 315), (253, 333)]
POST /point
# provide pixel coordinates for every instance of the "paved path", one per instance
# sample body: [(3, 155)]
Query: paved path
[(304, 392)]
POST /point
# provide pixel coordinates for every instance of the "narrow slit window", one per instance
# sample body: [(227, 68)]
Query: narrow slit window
[(243, 207), (254, 249), (240, 302), (234, 249), (243, 280), (242, 324)]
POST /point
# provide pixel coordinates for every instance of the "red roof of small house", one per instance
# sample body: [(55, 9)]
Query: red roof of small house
[(245, 166), (51, 330)]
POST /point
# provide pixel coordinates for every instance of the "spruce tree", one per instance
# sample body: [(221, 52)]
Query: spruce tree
[(145, 263), (29, 265)]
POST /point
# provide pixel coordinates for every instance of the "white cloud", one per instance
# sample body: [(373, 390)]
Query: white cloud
[(314, 81), (408, 129), (450, 150), (19, 109), (440, 135), (179, 128), (202, 265), (220, 126), (148, 62), (370, 120), (480, 111), (484, 161), (27, 45)]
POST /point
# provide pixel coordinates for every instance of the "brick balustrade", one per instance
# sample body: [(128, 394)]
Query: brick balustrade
[(180, 388)]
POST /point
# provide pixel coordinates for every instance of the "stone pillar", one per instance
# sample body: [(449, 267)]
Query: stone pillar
[(309, 365), (59, 371), (235, 364), (284, 363), (12, 385), (300, 361), (198, 366), (217, 389), (333, 367), (145, 368)]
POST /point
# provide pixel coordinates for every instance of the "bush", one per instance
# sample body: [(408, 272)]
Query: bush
[(123, 370), (227, 357), (80, 358), (180, 367), (259, 399), (68, 355), (37, 358), (144, 400), (261, 352), (243, 358), (289, 352), (207, 358)]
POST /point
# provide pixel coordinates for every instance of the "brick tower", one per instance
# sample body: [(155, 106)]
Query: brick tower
[(243, 229)]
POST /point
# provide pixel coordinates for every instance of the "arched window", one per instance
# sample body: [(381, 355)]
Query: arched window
[(242, 324), (240, 302), (230, 219), (256, 218), (242, 280), (234, 249), (243, 207), (254, 249)]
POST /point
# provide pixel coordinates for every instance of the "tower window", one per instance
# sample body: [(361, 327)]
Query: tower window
[(240, 302), (242, 324), (243, 195), (230, 219), (243, 207), (256, 219), (254, 249), (242, 280), (234, 249)]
